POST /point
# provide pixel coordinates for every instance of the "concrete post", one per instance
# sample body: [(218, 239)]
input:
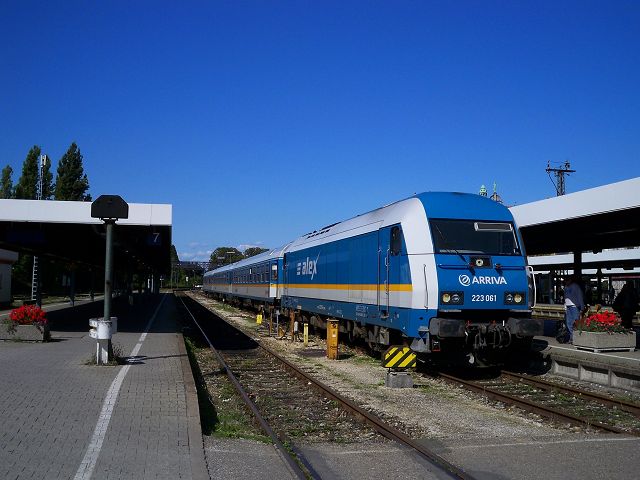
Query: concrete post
[(292, 318), (577, 264), (92, 294)]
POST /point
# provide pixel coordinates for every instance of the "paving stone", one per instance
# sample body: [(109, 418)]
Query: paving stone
[(51, 401)]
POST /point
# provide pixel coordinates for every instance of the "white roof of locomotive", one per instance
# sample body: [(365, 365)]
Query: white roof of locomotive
[(365, 223)]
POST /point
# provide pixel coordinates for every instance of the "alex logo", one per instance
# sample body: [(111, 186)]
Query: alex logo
[(308, 267), (465, 280)]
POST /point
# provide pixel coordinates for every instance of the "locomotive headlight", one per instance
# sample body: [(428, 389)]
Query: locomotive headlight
[(514, 298), (452, 298)]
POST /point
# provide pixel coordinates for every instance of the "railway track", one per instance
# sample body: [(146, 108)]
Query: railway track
[(257, 374), (556, 402)]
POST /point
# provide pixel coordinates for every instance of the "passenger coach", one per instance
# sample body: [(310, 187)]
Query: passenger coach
[(256, 280)]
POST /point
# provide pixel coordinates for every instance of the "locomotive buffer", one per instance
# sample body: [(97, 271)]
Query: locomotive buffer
[(397, 359)]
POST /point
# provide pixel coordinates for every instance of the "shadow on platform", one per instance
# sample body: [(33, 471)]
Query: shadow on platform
[(131, 318)]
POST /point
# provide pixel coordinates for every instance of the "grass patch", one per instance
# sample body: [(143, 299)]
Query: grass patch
[(364, 360), (223, 414), (208, 414)]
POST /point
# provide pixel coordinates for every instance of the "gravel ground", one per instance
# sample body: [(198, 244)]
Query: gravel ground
[(627, 395), (486, 439), (433, 409)]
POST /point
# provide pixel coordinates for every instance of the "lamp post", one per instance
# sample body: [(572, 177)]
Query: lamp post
[(109, 209)]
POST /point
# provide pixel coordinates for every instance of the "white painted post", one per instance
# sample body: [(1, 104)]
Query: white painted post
[(102, 330)]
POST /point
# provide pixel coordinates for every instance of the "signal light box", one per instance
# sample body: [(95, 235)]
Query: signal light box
[(109, 207)]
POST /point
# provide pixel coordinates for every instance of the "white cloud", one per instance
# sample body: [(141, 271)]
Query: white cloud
[(201, 252), (197, 256), (244, 246)]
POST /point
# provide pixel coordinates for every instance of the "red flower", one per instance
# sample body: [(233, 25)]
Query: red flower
[(28, 315), (601, 322)]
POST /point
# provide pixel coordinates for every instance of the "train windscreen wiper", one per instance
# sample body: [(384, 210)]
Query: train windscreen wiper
[(448, 244)]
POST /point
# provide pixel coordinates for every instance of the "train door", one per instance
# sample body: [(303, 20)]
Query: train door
[(285, 277), (389, 250), (274, 281)]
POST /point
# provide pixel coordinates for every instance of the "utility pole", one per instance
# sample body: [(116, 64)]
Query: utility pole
[(35, 277), (559, 174)]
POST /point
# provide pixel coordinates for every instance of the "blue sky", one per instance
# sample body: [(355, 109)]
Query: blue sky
[(260, 121)]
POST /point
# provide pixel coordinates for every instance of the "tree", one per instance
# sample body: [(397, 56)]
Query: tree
[(174, 254), (252, 251), (27, 185), (6, 183), (47, 180), (71, 181), (177, 273), (225, 256)]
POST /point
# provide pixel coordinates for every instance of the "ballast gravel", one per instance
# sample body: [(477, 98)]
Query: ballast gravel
[(433, 409)]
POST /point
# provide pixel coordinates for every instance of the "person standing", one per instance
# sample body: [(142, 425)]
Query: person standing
[(573, 304), (626, 304)]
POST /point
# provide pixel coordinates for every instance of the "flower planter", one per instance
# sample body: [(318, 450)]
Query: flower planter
[(25, 333), (603, 341)]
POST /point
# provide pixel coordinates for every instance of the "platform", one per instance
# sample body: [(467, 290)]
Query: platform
[(611, 369), (64, 417)]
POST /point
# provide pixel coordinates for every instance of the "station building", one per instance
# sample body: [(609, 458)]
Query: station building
[(593, 233), (66, 232)]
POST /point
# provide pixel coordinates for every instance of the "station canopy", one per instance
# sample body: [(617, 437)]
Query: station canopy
[(66, 231), (599, 218)]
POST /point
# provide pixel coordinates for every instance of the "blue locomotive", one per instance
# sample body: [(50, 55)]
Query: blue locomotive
[(440, 272)]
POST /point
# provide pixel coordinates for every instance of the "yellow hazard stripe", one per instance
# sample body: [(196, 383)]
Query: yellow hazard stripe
[(390, 352), (395, 287), (410, 361), (400, 358)]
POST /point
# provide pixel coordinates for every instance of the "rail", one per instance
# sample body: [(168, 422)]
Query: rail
[(492, 392), (368, 418), (301, 474)]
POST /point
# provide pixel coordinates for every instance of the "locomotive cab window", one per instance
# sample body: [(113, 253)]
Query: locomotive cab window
[(474, 237), (395, 242)]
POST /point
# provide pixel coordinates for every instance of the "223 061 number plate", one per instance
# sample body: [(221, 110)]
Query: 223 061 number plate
[(484, 298)]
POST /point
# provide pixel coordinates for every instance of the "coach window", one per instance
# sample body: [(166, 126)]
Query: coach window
[(396, 241), (274, 272)]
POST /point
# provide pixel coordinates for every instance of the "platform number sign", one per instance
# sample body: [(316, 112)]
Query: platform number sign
[(154, 239)]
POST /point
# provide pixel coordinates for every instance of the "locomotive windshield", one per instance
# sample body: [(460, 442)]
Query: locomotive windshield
[(474, 237)]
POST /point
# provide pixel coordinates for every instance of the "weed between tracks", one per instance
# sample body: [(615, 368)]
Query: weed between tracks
[(222, 412)]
